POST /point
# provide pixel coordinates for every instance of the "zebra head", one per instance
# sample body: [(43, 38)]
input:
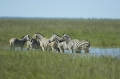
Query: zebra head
[(38, 36), (26, 37), (66, 37), (55, 37)]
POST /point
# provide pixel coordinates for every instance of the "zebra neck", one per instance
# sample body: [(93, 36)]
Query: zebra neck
[(57, 39), (40, 38), (68, 40), (24, 40)]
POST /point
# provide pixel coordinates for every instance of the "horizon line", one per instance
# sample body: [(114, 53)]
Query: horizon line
[(3, 17)]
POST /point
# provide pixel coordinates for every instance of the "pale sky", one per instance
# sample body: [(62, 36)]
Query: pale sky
[(60, 8)]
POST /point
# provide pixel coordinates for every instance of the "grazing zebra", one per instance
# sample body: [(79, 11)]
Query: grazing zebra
[(74, 44), (61, 45), (44, 42), (33, 44), (14, 42)]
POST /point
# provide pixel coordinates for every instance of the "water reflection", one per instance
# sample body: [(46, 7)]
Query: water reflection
[(102, 51), (105, 51), (93, 51)]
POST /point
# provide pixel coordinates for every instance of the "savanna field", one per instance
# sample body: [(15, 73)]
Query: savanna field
[(36, 64)]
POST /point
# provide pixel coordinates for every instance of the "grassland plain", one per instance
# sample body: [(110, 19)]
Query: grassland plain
[(48, 65)]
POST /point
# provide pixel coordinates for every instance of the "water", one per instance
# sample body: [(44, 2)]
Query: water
[(93, 51), (102, 51), (105, 51)]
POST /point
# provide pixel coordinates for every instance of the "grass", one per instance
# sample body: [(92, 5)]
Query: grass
[(48, 65), (100, 33)]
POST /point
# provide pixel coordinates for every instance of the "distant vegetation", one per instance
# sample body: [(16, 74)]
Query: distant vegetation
[(100, 33)]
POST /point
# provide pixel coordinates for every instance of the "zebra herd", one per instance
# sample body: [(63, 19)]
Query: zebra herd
[(55, 42)]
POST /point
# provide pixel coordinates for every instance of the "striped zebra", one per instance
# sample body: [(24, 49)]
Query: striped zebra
[(33, 44), (60, 44), (75, 44), (44, 42), (14, 42)]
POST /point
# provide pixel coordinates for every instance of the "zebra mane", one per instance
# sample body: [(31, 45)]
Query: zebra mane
[(67, 35), (56, 34), (42, 35), (25, 35), (39, 33), (57, 37), (29, 36)]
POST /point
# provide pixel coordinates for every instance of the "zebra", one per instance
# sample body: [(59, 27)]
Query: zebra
[(75, 44), (61, 45), (44, 42), (14, 42), (33, 44)]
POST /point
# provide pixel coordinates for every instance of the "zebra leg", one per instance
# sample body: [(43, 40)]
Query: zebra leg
[(13, 47), (43, 49), (71, 51), (28, 49), (48, 49), (58, 50), (86, 50), (61, 50), (21, 48), (53, 49), (78, 51)]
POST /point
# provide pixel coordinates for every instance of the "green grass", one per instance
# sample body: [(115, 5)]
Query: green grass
[(48, 65), (100, 33)]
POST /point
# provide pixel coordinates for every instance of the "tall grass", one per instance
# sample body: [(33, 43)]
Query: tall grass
[(48, 65), (98, 32)]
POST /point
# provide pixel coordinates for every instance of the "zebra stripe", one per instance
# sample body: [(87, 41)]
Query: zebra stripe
[(56, 38), (60, 44), (44, 42), (74, 44), (81, 43), (33, 44), (14, 42)]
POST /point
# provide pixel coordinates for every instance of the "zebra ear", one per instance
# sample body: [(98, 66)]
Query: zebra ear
[(23, 36), (53, 33), (37, 33), (28, 35), (64, 34)]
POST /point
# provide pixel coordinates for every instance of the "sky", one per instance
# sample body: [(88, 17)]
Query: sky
[(60, 8)]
